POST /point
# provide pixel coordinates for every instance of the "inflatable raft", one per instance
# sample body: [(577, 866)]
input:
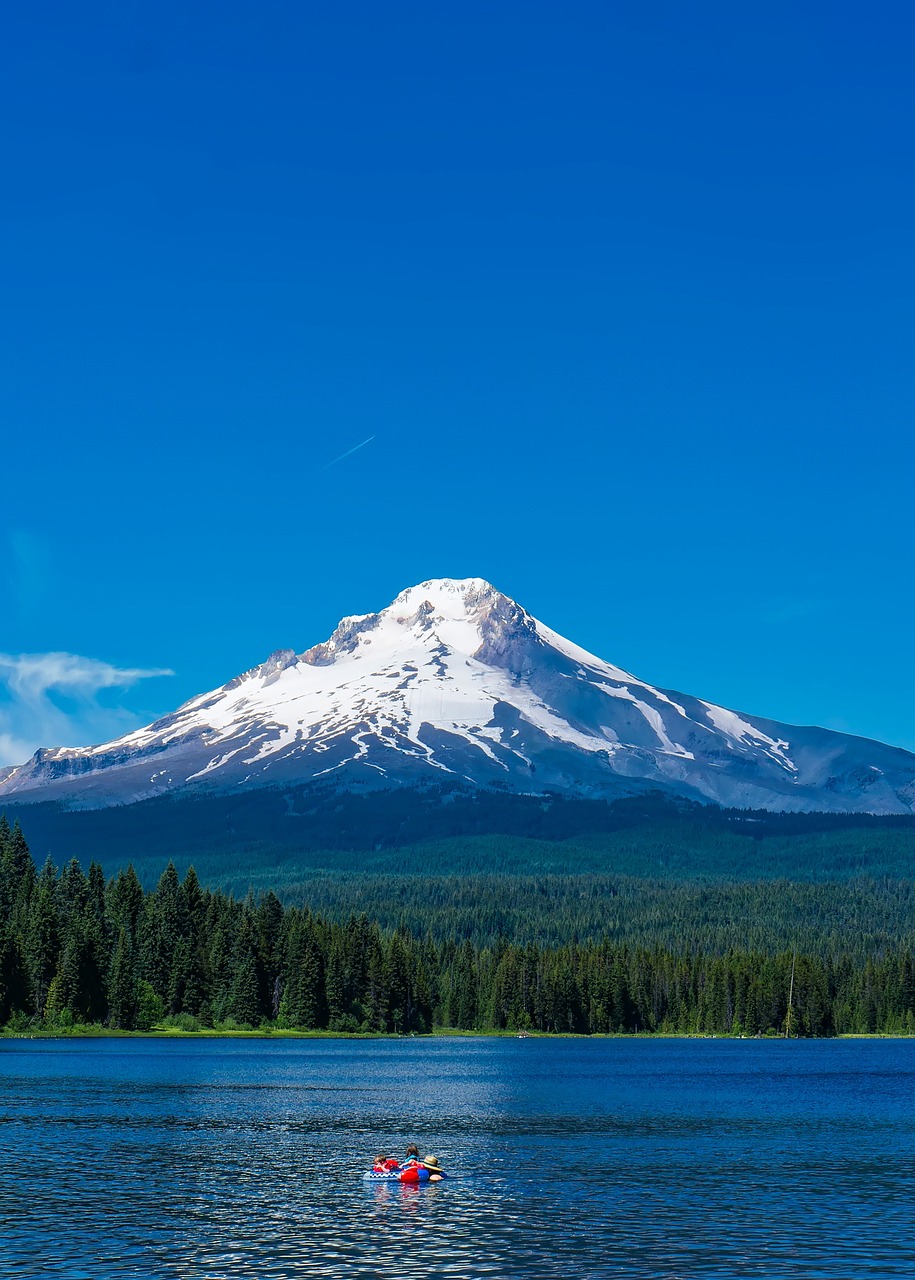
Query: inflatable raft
[(413, 1174)]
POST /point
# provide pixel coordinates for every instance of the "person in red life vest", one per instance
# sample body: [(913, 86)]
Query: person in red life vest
[(385, 1164), (410, 1169)]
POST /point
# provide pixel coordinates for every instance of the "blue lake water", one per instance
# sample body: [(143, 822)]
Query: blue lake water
[(572, 1158)]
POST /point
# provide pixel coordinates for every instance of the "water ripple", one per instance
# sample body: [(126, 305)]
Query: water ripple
[(204, 1160)]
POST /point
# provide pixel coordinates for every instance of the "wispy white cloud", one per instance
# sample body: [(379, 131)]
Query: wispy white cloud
[(52, 699)]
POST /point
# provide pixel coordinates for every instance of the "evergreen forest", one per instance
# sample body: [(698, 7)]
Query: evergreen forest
[(276, 834), (79, 950)]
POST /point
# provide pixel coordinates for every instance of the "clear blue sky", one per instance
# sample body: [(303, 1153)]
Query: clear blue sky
[(624, 294)]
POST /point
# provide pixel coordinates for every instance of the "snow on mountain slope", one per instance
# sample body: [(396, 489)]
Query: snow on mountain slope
[(456, 680)]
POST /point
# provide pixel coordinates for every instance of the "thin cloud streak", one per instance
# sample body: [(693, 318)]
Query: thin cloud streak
[(31, 718), (334, 461)]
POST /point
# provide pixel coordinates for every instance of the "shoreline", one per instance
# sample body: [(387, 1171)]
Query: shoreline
[(169, 1033)]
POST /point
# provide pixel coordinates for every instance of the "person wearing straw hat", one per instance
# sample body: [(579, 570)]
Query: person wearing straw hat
[(435, 1171)]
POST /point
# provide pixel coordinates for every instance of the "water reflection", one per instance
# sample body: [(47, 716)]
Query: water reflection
[(600, 1159)]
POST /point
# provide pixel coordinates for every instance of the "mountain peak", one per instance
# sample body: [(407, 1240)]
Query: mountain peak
[(450, 611), (450, 597), (456, 680)]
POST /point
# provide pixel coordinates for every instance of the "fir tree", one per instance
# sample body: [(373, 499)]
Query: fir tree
[(123, 992), (244, 998), (15, 994), (42, 943)]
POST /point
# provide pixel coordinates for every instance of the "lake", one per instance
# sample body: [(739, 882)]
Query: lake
[(570, 1158)]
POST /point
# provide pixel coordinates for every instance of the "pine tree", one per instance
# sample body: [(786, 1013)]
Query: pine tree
[(94, 966), (17, 872), (300, 1002), (464, 1001), (244, 999), (42, 943), (219, 960), (400, 991), (66, 994), (14, 978), (193, 897), (177, 978), (123, 991), (95, 893), (164, 924), (72, 893), (124, 902), (20, 857), (335, 986), (376, 982)]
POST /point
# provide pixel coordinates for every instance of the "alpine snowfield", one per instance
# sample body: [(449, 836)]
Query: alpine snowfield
[(455, 679)]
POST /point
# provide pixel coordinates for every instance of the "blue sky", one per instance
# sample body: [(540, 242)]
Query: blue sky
[(624, 296)]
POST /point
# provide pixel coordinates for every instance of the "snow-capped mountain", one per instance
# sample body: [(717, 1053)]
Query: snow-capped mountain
[(455, 680)]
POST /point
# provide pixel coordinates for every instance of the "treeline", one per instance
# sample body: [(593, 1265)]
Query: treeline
[(75, 949), (855, 918)]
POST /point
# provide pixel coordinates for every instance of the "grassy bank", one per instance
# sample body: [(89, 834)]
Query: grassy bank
[(95, 1032)]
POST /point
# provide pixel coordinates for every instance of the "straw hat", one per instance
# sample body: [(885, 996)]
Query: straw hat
[(432, 1163)]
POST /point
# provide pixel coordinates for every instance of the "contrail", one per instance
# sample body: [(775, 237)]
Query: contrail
[(334, 461)]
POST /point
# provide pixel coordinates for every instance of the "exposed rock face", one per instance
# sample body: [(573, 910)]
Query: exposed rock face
[(454, 678)]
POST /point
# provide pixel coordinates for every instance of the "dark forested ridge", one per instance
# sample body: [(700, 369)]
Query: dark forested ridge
[(77, 949), (273, 836), (855, 918)]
